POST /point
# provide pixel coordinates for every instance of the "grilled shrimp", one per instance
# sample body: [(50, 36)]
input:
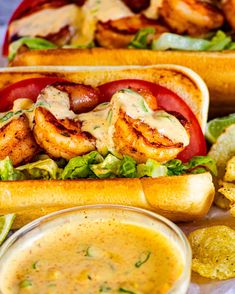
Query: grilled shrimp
[(119, 33), (137, 139), (17, 141), (190, 16), (62, 137), (228, 7)]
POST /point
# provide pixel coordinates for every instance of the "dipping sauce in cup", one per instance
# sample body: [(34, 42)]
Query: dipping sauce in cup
[(96, 249)]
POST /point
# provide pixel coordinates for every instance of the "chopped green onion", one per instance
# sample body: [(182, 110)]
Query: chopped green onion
[(35, 264), (123, 290), (25, 284), (144, 257), (104, 289)]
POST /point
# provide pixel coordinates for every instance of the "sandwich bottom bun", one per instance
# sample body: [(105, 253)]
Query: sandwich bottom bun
[(179, 198)]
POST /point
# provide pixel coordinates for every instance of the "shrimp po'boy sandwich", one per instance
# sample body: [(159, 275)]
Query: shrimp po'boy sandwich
[(130, 136)]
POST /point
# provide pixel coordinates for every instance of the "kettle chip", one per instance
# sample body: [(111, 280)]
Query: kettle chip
[(213, 250)]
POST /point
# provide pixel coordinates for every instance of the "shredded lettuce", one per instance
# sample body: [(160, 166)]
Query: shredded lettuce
[(168, 41), (8, 172), (197, 164), (152, 169), (79, 167), (128, 167), (140, 40), (94, 165), (42, 169), (175, 167), (109, 168), (231, 46), (31, 43), (220, 41)]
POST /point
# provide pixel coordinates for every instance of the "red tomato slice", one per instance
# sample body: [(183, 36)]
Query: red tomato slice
[(29, 88), (168, 101)]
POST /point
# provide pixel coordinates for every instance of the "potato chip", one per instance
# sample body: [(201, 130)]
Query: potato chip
[(230, 170), (232, 210), (223, 149), (213, 251), (221, 201), (228, 190)]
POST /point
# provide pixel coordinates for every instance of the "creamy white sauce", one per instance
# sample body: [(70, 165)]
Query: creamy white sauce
[(96, 123), (104, 10), (20, 106), (101, 122), (82, 20), (46, 21), (57, 102), (25, 104)]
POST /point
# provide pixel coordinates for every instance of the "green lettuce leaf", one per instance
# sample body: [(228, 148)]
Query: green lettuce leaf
[(168, 41), (152, 169), (109, 168), (79, 167), (197, 163), (175, 167), (231, 46), (140, 40), (42, 169), (31, 43), (220, 41), (93, 165), (8, 172), (128, 167)]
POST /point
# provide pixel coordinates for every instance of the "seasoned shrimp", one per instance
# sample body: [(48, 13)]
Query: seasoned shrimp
[(191, 16), (137, 138), (60, 138), (56, 130), (228, 7), (17, 141), (119, 33)]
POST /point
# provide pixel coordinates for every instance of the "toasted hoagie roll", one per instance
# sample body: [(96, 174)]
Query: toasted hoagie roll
[(182, 197)]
